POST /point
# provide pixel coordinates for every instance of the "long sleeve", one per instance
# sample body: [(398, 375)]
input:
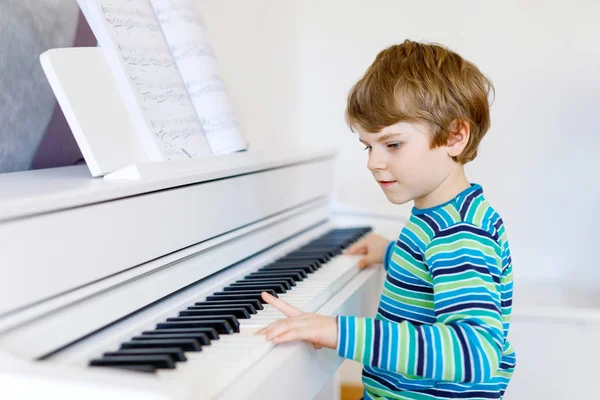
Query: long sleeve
[(466, 341), (388, 254)]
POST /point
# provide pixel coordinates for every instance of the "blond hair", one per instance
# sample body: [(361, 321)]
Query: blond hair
[(422, 82)]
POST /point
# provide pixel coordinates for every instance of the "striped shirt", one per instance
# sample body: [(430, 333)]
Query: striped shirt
[(444, 314)]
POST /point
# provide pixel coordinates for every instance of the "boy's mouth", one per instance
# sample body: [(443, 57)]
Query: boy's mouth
[(386, 183)]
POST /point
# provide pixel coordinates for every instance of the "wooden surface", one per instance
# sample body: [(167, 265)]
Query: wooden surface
[(351, 392)]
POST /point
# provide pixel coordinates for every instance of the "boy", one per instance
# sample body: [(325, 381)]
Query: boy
[(442, 324)]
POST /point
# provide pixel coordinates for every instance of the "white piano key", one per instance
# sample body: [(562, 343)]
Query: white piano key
[(218, 365)]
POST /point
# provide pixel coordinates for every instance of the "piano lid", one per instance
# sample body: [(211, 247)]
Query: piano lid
[(28, 193)]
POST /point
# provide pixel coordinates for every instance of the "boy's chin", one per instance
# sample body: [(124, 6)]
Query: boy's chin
[(395, 198)]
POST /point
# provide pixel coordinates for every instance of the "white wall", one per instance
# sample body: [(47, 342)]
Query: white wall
[(254, 43), (538, 164), (290, 64)]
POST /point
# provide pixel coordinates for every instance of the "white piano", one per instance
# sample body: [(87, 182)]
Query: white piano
[(127, 289)]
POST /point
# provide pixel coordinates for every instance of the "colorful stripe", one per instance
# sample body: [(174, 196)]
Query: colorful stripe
[(444, 314)]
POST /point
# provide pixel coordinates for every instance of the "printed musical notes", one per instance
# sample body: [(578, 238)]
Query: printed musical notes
[(153, 90), (167, 72), (188, 40)]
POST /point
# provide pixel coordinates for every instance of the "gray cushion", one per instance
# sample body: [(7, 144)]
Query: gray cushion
[(28, 28)]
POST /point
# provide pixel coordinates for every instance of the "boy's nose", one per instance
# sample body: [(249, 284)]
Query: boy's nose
[(375, 163)]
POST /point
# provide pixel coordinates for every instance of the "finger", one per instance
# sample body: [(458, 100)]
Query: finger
[(282, 327), (317, 346), (363, 263), (293, 334), (359, 247), (269, 328), (265, 329), (288, 309), (366, 261), (277, 330), (273, 325)]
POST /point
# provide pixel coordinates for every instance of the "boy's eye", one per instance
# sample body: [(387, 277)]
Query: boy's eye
[(367, 147), (393, 145)]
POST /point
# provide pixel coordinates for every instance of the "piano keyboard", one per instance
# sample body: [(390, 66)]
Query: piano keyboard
[(214, 340)]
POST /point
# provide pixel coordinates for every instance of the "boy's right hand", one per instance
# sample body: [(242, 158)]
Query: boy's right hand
[(372, 246)]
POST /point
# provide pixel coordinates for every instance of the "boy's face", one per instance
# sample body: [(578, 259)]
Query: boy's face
[(403, 163)]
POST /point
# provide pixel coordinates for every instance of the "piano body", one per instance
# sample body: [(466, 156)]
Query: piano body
[(146, 288)]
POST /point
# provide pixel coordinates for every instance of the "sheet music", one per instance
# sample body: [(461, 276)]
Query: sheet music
[(187, 37), (156, 97)]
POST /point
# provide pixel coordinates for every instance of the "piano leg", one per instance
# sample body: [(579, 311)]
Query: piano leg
[(331, 390)]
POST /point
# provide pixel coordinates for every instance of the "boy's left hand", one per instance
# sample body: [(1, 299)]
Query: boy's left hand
[(319, 330)]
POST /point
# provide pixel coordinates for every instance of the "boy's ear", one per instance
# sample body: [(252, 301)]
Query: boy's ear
[(458, 137)]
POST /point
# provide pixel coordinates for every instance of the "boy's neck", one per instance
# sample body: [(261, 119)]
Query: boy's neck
[(455, 183)]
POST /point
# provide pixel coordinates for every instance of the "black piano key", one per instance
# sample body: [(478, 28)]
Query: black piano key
[(331, 251), (308, 257), (230, 319), (318, 255), (284, 284), (261, 286), (345, 234), (351, 229), (289, 281), (237, 296), (328, 249), (185, 344), (255, 303), (138, 368), (301, 272), (158, 361), (248, 307), (255, 291), (222, 327), (319, 245), (175, 353), (201, 338), (310, 262), (241, 295), (307, 267), (262, 275), (313, 249), (322, 245), (239, 313), (285, 263), (324, 241), (211, 333), (295, 268)]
